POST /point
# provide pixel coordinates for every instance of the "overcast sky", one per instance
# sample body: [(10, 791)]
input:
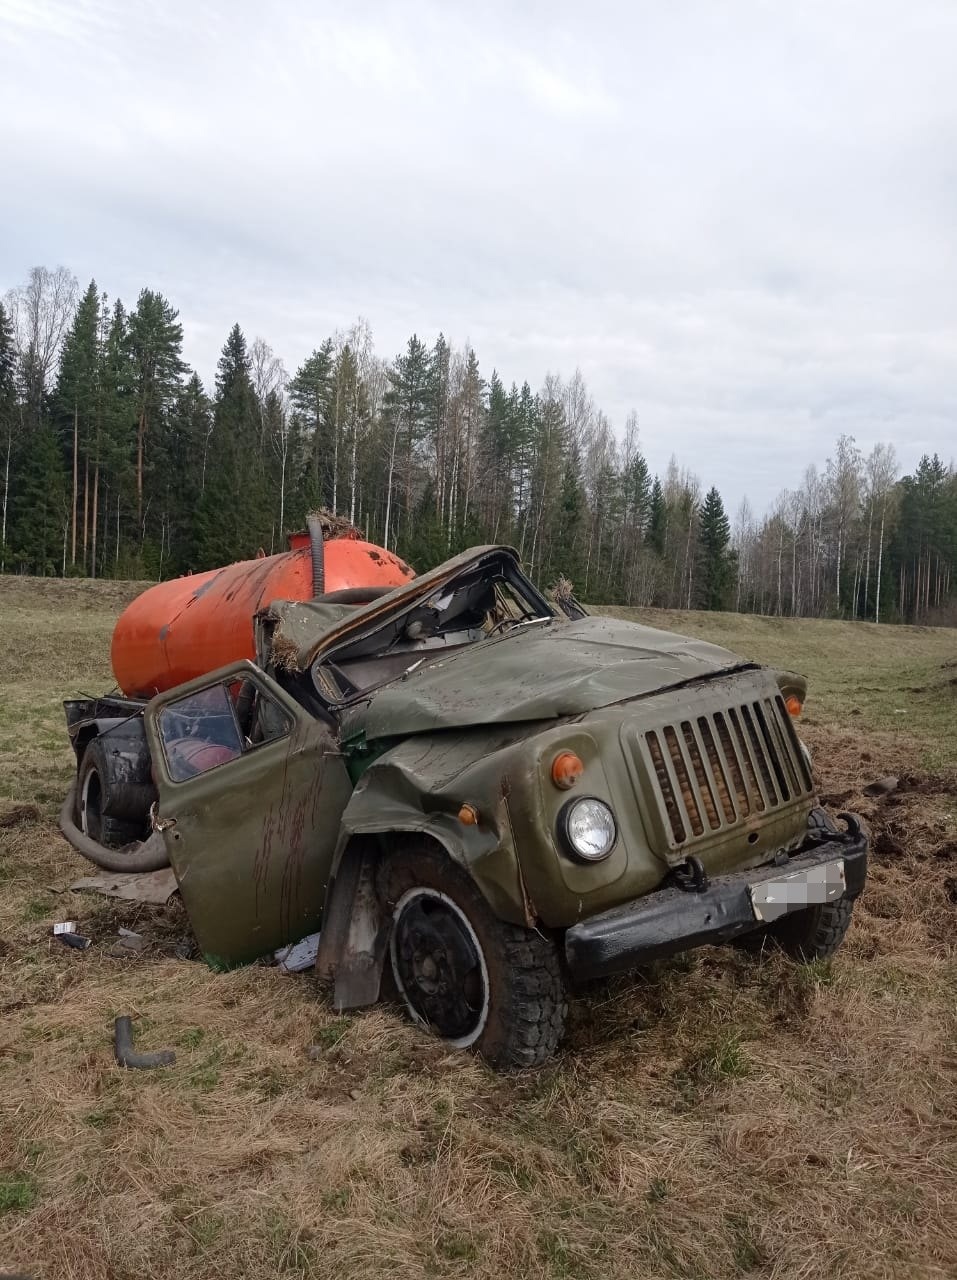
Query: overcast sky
[(738, 218)]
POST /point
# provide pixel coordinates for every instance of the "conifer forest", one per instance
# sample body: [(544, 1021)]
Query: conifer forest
[(117, 461)]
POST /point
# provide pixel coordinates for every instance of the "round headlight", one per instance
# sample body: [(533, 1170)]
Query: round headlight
[(588, 828)]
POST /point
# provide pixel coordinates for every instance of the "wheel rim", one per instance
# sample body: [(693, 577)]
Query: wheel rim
[(91, 806), (439, 966)]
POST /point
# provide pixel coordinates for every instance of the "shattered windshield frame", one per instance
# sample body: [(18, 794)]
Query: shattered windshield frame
[(482, 602)]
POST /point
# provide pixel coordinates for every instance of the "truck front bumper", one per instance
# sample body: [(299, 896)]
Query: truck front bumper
[(674, 919)]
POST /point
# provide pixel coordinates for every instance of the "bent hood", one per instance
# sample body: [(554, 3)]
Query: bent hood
[(537, 673)]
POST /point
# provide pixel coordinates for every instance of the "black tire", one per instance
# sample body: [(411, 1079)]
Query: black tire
[(474, 980), (814, 933), (90, 818)]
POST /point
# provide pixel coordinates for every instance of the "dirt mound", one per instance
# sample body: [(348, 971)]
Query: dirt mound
[(19, 815), (913, 836)]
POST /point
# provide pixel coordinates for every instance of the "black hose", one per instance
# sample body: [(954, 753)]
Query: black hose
[(126, 1055), (148, 855), (354, 595), (318, 553)]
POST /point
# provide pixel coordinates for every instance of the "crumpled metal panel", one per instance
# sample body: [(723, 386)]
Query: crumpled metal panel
[(538, 673)]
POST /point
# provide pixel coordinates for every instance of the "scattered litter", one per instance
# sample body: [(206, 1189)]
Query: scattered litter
[(125, 1055), (65, 926), (128, 942), (75, 940), (299, 955), (881, 787), (156, 887)]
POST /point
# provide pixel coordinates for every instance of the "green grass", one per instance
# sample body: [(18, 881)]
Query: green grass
[(884, 678), (722, 1116), (17, 1192)]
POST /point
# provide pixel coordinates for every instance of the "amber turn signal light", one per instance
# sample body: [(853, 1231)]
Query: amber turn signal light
[(567, 768), (794, 704), (468, 815)]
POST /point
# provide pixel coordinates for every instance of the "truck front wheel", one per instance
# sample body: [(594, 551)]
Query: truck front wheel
[(815, 932), (474, 980)]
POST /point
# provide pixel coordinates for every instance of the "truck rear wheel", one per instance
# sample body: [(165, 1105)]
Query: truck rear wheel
[(474, 980), (90, 792)]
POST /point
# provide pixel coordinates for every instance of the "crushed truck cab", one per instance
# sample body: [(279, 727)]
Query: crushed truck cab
[(478, 799)]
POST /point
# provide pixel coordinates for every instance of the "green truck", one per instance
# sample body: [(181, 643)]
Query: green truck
[(477, 797)]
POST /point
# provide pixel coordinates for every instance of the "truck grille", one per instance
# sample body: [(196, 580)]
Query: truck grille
[(720, 769)]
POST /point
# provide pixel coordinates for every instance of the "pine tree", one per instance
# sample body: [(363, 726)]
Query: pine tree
[(924, 549), (181, 445), (116, 445), (471, 411), (563, 555), (8, 365), (407, 405), (657, 519), (716, 561), (232, 519), (636, 484), (310, 392), (548, 450), (77, 408), (156, 342), (444, 460), (40, 508), (356, 420)]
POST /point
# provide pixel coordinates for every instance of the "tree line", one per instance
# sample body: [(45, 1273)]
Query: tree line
[(118, 462)]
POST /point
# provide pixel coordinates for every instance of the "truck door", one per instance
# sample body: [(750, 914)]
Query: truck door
[(251, 793)]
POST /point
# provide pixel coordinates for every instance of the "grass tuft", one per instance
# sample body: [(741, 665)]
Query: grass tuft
[(18, 1192)]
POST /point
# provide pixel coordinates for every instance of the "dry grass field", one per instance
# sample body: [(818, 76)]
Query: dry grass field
[(723, 1116)]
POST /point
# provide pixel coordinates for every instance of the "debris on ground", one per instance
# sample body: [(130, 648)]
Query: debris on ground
[(75, 940), (125, 1054), (128, 943), (881, 786), (298, 955), (154, 887)]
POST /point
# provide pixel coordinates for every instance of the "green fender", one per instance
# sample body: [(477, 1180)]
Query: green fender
[(386, 812), (485, 851)]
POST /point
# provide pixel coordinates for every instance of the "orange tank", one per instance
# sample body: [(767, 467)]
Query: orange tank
[(185, 627)]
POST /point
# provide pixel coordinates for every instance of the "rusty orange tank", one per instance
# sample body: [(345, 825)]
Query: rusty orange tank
[(185, 627)]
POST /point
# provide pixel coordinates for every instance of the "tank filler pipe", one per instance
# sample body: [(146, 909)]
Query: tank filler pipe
[(318, 551)]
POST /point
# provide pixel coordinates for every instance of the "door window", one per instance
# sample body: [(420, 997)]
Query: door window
[(203, 730)]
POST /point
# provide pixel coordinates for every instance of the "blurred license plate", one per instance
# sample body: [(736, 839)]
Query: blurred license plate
[(773, 898)]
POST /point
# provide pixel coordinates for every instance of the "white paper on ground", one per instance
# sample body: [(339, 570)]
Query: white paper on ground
[(299, 955)]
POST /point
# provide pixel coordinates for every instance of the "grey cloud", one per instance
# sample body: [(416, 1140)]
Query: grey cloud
[(737, 219)]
